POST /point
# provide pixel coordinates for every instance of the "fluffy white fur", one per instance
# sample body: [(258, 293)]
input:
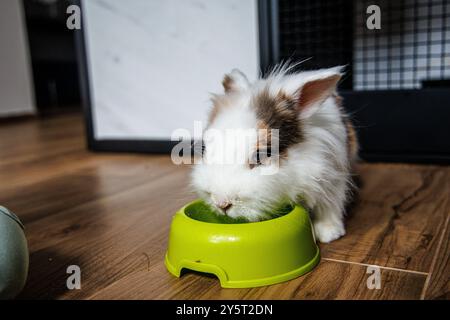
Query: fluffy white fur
[(316, 171)]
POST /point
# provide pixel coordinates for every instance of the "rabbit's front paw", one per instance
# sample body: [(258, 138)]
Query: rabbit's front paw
[(327, 231)]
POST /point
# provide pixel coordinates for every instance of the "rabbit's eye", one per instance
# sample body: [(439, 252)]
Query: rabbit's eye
[(259, 157), (203, 149), (199, 148)]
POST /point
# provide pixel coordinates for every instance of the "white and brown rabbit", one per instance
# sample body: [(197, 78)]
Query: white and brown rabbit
[(317, 145)]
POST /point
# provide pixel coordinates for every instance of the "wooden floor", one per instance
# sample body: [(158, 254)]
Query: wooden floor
[(110, 214)]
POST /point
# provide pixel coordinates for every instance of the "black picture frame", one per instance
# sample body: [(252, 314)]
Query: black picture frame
[(418, 134)]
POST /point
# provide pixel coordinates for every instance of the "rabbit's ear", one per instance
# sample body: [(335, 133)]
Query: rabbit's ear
[(315, 91), (235, 81)]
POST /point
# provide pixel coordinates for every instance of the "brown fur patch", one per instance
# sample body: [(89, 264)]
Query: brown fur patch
[(227, 83), (280, 113)]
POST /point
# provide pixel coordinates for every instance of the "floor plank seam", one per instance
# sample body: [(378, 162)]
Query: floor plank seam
[(435, 257), (374, 265)]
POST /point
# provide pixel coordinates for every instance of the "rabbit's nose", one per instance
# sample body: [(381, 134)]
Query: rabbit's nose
[(223, 204)]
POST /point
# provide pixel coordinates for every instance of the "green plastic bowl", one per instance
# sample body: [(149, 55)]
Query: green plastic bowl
[(243, 255)]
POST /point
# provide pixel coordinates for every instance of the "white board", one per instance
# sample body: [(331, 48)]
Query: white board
[(152, 64), (16, 84)]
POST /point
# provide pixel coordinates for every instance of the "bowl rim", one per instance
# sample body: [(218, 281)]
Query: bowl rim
[(295, 208)]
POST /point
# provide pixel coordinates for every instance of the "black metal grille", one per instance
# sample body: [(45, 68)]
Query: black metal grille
[(410, 51), (317, 30)]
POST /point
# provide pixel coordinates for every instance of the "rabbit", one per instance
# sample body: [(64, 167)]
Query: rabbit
[(317, 146)]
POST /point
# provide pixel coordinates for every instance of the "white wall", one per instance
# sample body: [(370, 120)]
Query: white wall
[(153, 63), (16, 93)]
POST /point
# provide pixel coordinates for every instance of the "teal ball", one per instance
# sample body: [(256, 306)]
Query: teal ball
[(13, 255)]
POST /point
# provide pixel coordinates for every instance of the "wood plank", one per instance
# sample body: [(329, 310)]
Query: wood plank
[(36, 149), (110, 214), (79, 184), (397, 218), (38, 139), (108, 238), (438, 284), (330, 280)]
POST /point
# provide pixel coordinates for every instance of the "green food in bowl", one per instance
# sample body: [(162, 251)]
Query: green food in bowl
[(201, 211)]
